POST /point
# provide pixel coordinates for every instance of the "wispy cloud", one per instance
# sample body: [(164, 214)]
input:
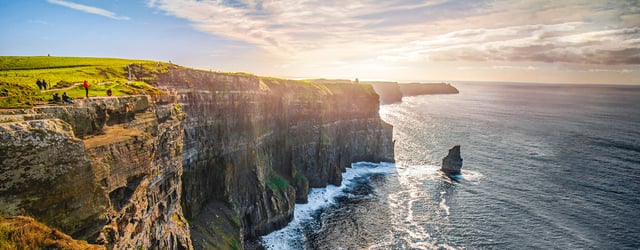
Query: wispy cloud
[(568, 43), (576, 31), (89, 9)]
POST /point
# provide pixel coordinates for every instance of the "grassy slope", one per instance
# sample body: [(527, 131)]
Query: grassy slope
[(21, 232), (18, 75)]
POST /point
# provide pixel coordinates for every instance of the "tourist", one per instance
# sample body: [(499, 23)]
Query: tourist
[(56, 97), (66, 98), (39, 83), (109, 93), (44, 84), (86, 88)]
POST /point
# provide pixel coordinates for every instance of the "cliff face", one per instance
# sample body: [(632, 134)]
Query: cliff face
[(389, 92), (247, 139), (220, 159), (103, 170), (392, 92), (413, 89)]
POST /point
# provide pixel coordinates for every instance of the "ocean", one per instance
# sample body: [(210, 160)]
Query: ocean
[(545, 167)]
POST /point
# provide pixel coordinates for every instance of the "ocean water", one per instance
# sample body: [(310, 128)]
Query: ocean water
[(545, 167)]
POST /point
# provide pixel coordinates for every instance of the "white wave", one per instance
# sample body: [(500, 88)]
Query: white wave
[(443, 203), (292, 236)]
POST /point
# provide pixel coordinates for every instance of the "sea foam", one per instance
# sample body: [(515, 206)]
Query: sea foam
[(292, 236)]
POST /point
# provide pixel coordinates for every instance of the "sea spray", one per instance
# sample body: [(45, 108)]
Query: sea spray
[(292, 236)]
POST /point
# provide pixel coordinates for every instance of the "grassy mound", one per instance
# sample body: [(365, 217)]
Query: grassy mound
[(18, 76), (21, 232)]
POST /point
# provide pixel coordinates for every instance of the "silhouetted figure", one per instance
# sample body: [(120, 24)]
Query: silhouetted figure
[(44, 84), (66, 98), (39, 83), (109, 93), (86, 88), (56, 97)]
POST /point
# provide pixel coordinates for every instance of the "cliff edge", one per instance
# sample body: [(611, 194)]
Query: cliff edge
[(216, 160), (392, 92)]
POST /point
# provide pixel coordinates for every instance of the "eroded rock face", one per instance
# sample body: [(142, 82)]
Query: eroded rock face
[(452, 163), (116, 182), (45, 171), (243, 133), (231, 154)]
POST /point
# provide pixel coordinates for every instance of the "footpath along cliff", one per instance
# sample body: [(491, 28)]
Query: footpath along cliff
[(219, 159)]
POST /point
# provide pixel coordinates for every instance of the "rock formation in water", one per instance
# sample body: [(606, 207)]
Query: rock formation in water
[(452, 163), (392, 92), (219, 159)]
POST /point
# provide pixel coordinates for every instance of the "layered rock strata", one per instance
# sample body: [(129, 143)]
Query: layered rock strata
[(258, 144), (106, 170), (218, 159)]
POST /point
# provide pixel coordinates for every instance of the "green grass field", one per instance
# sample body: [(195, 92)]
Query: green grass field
[(18, 76)]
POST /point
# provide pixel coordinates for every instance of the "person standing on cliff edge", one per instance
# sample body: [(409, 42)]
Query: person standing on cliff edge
[(86, 88)]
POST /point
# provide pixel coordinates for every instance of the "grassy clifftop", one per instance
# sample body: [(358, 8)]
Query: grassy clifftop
[(21, 232), (18, 76)]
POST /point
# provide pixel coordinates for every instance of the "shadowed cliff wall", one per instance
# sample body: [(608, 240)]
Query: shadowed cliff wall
[(257, 145), (106, 170), (219, 159)]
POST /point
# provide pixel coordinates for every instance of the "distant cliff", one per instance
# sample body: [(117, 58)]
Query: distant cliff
[(391, 92), (218, 159)]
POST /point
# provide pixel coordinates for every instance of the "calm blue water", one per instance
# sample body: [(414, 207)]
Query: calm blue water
[(545, 166)]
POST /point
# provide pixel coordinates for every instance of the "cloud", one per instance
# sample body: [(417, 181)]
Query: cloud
[(498, 67), (566, 43), (409, 31), (89, 9)]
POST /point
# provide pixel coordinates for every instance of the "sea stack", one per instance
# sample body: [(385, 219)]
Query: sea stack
[(452, 163)]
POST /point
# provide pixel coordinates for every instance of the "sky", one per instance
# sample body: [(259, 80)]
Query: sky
[(569, 41)]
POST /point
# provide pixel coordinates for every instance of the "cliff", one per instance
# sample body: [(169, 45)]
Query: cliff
[(218, 159), (106, 170), (392, 92), (258, 144)]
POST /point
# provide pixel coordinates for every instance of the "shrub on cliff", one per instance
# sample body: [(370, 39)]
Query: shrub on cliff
[(276, 183)]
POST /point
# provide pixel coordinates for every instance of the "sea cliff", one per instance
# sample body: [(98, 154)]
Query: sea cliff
[(392, 92), (215, 160)]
